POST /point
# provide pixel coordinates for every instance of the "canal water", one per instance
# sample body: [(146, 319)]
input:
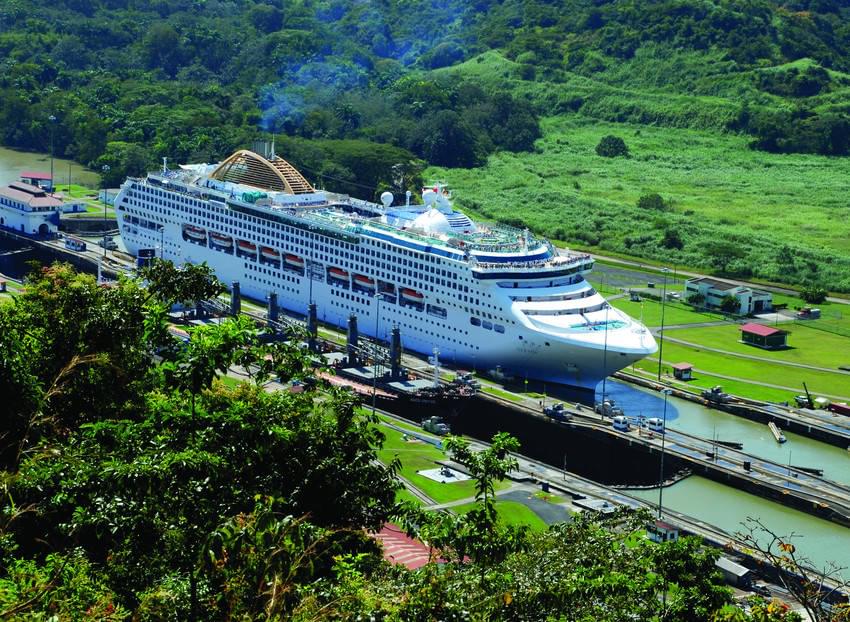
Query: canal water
[(711, 424), (727, 507), (821, 541), (12, 163)]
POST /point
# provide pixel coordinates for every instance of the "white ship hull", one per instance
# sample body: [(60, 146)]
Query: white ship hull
[(530, 328)]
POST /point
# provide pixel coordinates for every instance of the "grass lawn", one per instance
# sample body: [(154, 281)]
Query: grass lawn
[(230, 382), (706, 381), (417, 456), (404, 495), (744, 369), (76, 191), (549, 497), (674, 312), (486, 388), (809, 346), (512, 513)]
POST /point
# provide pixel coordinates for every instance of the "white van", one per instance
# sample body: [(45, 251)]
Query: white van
[(655, 424), (621, 423)]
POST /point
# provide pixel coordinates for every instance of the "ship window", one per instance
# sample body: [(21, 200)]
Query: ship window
[(476, 322)]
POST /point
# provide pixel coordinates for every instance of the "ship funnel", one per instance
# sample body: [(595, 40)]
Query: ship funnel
[(352, 339), (312, 326), (395, 353), (235, 299), (272, 308)]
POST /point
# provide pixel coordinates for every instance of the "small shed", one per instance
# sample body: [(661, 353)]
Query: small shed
[(734, 573), (659, 531), (763, 336), (682, 371)]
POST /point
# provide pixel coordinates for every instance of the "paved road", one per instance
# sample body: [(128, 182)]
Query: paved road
[(638, 276)]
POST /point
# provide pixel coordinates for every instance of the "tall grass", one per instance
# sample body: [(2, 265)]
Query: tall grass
[(717, 189)]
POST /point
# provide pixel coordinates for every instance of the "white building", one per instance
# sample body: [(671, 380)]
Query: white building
[(714, 291), (28, 209)]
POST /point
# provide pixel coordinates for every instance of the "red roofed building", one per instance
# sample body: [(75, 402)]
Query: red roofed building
[(28, 209), (682, 371), (763, 336), (37, 178)]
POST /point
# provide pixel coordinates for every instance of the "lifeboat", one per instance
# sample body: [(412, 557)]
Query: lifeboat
[(269, 254), (246, 247), (410, 295), (195, 233), (338, 273), (294, 260), (221, 240), (364, 281)]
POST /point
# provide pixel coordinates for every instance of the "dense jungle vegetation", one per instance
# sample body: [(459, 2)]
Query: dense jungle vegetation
[(466, 84), (136, 485)]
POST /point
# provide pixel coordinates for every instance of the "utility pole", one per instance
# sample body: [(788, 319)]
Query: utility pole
[(105, 169), (52, 119), (665, 271)]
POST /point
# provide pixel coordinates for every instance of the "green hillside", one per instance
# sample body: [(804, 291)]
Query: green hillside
[(735, 111)]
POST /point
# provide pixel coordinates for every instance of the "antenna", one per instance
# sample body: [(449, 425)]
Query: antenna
[(164, 165), (272, 155)]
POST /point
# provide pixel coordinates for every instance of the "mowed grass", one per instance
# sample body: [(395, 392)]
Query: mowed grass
[(808, 345), (702, 380), (417, 456), (674, 312), (827, 383), (512, 513)]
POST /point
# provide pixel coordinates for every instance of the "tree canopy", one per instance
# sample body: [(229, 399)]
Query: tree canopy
[(154, 491)]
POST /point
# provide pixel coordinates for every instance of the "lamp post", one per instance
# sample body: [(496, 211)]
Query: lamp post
[(52, 119), (105, 169), (665, 271), (666, 393)]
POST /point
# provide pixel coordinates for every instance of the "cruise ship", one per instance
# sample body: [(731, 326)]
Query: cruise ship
[(486, 296)]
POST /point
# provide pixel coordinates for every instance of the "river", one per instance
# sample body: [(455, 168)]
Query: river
[(12, 163)]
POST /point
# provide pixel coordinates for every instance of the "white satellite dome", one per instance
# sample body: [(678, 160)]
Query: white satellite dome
[(432, 221), (387, 199)]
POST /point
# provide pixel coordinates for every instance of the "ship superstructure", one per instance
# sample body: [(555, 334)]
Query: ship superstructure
[(486, 296)]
